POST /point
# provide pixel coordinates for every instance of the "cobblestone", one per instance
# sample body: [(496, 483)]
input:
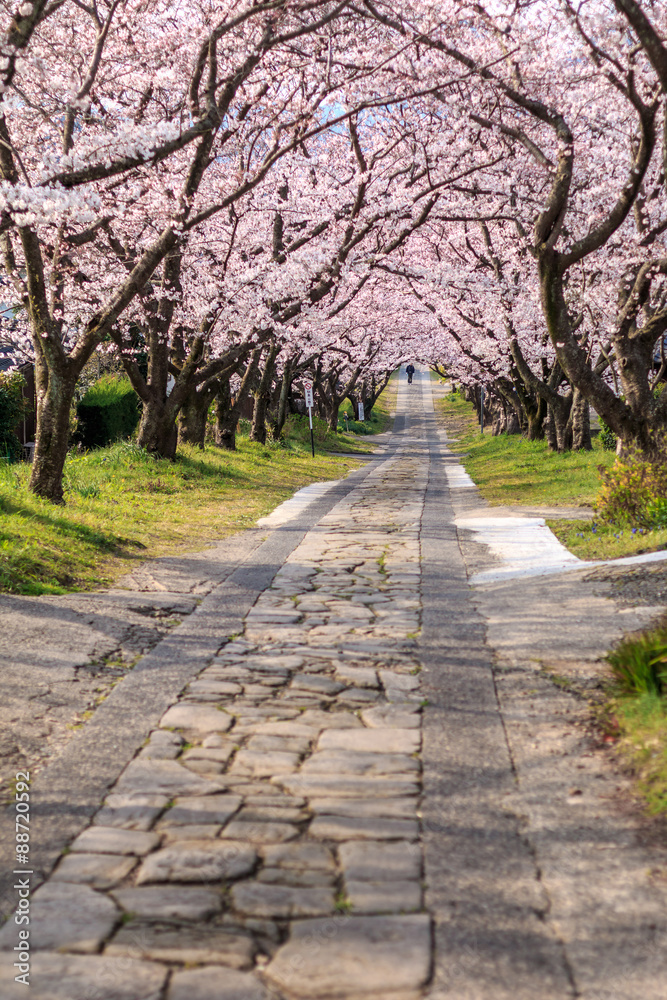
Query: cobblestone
[(198, 861), (373, 956), (184, 944), (359, 827), (110, 840), (207, 983), (72, 977), (375, 741), (132, 812), (169, 902), (66, 918), (163, 776), (101, 871), (384, 897), (260, 899), (273, 794), (201, 809), (377, 862)]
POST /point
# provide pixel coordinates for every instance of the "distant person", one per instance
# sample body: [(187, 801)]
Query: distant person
[(410, 371)]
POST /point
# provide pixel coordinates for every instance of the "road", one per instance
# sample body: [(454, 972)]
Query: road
[(347, 773)]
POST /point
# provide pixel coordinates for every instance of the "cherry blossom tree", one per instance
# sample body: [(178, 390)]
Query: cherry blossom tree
[(124, 127), (230, 189), (581, 173)]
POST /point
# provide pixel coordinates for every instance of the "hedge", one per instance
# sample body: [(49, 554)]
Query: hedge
[(13, 408), (108, 412)]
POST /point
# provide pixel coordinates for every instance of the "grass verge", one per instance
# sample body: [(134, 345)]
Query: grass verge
[(122, 505), (602, 541), (642, 728), (381, 417), (508, 469), (637, 714)]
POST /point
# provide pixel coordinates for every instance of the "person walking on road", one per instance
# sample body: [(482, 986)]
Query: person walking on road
[(410, 372)]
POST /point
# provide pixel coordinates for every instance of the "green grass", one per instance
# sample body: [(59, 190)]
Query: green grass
[(639, 663), (642, 730), (122, 506), (508, 469), (637, 715), (108, 389), (381, 414), (596, 540)]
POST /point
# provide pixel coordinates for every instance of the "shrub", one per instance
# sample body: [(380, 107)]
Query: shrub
[(639, 663), (657, 511), (355, 426), (108, 412), (634, 491), (607, 437), (13, 408)]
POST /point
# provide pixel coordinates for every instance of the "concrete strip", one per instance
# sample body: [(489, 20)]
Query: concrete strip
[(458, 478), (285, 511), (483, 888), (524, 544), (558, 795)]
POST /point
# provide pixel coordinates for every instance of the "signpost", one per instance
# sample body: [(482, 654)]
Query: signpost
[(361, 411), (308, 392)]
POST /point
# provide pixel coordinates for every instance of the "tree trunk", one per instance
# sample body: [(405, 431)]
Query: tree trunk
[(258, 428), (192, 418), (331, 412), (515, 415), (550, 430), (157, 429), (631, 418), (281, 416), (562, 425), (371, 394), (368, 403), (227, 409), (498, 416), (226, 418), (262, 395), (328, 395), (536, 417), (55, 391), (513, 425), (581, 422), (328, 400)]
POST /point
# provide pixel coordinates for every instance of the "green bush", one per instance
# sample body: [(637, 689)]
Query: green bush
[(657, 511), (13, 408), (639, 663), (108, 412), (355, 426), (607, 437), (634, 491)]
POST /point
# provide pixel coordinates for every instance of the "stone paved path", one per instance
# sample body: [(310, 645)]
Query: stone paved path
[(270, 827), (272, 840)]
